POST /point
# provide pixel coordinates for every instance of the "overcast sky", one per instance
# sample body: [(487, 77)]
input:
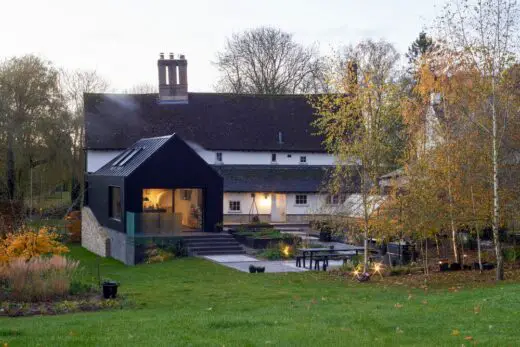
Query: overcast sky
[(122, 39)]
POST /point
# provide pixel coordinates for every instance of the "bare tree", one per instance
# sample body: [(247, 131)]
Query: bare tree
[(268, 61), (142, 88), (74, 85)]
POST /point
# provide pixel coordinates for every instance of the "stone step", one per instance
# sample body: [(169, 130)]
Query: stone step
[(216, 243), (216, 248), (209, 237), (213, 252)]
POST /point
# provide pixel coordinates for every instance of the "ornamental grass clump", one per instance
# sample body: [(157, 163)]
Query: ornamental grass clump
[(37, 279)]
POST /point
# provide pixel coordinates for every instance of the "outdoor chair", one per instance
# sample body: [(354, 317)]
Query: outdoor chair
[(299, 261)]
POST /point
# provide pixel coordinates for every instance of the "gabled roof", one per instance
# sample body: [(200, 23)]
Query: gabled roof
[(215, 121), (272, 178), (125, 163)]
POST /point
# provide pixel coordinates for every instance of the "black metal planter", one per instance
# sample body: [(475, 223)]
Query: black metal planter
[(110, 290)]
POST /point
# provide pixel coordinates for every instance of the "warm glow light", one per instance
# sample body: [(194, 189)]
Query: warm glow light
[(377, 267), (356, 272), (265, 201), (286, 250)]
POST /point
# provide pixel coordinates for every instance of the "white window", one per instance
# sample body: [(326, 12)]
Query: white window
[(273, 157), (336, 199), (301, 199), (303, 159), (219, 157), (234, 206)]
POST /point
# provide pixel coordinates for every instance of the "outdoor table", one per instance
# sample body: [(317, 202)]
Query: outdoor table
[(327, 251)]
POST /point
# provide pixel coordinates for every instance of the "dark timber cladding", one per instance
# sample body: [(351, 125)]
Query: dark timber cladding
[(165, 162)]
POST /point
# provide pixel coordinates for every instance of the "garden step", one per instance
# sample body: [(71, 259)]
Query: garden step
[(218, 243), (209, 248), (220, 252)]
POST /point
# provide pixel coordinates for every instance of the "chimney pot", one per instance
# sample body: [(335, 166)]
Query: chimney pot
[(171, 56), (182, 57), (161, 56)]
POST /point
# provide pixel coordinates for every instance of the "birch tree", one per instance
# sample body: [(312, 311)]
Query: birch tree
[(361, 123), (485, 32)]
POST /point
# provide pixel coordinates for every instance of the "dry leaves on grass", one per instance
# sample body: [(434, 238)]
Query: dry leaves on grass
[(398, 305), (455, 332)]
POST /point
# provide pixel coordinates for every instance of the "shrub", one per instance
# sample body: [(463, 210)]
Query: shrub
[(27, 243), (274, 253), (38, 279), (157, 255), (511, 254), (282, 251)]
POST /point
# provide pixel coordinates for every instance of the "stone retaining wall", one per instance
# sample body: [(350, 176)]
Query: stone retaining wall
[(93, 235)]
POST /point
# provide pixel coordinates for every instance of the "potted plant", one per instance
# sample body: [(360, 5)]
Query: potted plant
[(260, 269), (252, 269), (109, 289)]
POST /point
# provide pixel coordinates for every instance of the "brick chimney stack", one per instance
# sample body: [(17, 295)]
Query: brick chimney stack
[(173, 78)]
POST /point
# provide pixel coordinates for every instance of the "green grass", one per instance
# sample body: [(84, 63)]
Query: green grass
[(192, 302)]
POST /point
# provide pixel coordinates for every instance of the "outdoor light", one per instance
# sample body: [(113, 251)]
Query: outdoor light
[(286, 250), (266, 196)]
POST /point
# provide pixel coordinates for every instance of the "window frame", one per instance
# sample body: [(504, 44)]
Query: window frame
[(273, 157), (336, 199), (237, 203), (303, 159), (301, 200), (218, 157), (111, 212)]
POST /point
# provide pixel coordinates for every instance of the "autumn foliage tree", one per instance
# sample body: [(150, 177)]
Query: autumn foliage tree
[(361, 123)]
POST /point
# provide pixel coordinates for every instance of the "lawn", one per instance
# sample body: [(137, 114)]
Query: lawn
[(192, 302)]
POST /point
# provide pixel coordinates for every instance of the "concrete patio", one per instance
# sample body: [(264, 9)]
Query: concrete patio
[(242, 262)]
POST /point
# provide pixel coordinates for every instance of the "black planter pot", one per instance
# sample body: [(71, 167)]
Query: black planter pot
[(110, 290), (260, 269), (252, 269)]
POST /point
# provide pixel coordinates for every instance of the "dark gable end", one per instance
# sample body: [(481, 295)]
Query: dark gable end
[(215, 121)]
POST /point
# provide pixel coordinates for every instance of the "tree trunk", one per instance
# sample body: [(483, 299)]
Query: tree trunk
[(11, 179), (479, 252), (496, 216), (453, 230)]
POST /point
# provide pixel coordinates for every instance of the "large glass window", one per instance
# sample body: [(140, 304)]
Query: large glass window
[(184, 207), (114, 197)]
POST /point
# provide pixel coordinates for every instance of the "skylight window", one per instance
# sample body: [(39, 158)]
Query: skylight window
[(130, 156), (122, 157)]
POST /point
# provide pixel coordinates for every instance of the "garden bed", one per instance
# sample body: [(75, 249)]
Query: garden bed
[(264, 239), (85, 303)]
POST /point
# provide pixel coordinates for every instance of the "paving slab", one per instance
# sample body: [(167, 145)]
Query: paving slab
[(270, 266), (230, 258)]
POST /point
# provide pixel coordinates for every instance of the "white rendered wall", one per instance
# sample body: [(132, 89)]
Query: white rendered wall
[(96, 159), (262, 158), (263, 204), (315, 203)]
